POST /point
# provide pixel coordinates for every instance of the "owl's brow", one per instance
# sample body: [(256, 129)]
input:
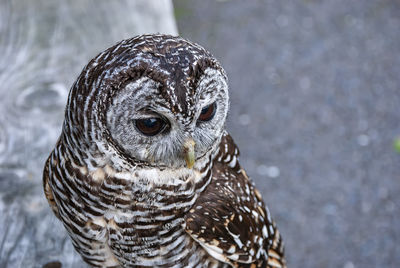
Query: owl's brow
[(149, 110), (200, 67)]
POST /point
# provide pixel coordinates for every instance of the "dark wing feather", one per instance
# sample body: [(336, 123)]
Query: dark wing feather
[(229, 219)]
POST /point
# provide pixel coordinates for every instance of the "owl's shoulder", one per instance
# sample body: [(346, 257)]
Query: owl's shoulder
[(228, 152), (229, 219)]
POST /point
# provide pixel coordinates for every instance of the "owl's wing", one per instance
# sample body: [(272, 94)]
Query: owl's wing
[(47, 189), (229, 219)]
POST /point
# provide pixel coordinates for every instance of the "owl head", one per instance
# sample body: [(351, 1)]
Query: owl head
[(157, 100)]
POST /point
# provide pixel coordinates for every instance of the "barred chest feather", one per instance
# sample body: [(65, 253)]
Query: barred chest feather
[(128, 217)]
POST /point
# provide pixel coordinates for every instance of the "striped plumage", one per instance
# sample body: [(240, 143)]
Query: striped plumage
[(130, 198)]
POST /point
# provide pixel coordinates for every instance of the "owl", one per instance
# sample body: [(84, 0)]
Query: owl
[(144, 173)]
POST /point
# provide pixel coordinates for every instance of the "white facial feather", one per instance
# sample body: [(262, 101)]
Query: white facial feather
[(140, 99)]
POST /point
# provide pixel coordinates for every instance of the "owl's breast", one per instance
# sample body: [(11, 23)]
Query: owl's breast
[(148, 228), (136, 216)]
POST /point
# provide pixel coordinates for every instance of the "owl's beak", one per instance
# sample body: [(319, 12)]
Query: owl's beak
[(188, 150)]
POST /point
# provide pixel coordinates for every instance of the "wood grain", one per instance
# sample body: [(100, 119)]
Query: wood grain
[(43, 47)]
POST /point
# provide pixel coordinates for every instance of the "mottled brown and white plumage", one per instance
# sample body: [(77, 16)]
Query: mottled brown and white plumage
[(144, 173)]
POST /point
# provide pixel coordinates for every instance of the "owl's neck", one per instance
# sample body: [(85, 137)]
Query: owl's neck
[(101, 164)]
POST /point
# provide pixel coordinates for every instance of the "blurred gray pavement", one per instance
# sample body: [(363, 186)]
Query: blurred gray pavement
[(315, 107)]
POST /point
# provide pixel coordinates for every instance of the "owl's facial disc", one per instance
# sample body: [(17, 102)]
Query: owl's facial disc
[(144, 125)]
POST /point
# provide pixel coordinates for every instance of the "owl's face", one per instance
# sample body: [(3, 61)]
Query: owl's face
[(173, 113), (142, 123)]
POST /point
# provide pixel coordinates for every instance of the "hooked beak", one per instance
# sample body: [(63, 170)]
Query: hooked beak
[(188, 150)]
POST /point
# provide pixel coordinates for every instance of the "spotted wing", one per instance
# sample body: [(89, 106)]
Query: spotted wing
[(229, 219)]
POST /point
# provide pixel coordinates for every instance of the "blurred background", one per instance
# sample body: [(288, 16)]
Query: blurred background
[(315, 111)]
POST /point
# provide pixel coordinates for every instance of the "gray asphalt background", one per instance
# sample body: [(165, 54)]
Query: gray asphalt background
[(315, 107)]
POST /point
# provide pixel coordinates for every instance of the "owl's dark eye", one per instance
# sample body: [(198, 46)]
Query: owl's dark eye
[(208, 112), (150, 126)]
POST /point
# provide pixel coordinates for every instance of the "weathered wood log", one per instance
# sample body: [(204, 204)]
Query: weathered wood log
[(43, 46)]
